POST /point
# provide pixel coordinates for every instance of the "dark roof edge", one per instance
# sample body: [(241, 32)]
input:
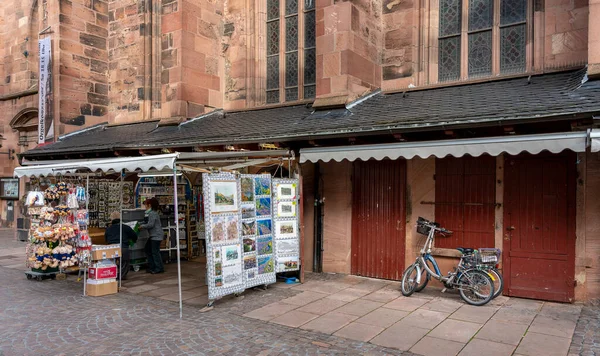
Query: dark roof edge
[(494, 122), (483, 80)]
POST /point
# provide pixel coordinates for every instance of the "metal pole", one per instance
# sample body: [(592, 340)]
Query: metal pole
[(87, 204), (177, 237), (121, 231)]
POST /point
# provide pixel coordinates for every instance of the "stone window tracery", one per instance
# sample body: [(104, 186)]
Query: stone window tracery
[(291, 57), (482, 37)]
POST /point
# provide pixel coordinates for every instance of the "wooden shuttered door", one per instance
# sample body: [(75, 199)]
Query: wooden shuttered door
[(539, 226), (465, 197), (378, 219)]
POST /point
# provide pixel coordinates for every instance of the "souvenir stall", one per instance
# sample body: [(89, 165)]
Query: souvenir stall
[(49, 241), (160, 186)]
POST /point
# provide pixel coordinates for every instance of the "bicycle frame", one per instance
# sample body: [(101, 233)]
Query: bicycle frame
[(425, 256)]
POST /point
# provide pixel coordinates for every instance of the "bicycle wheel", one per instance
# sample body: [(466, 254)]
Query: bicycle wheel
[(498, 281), (409, 280), (475, 287)]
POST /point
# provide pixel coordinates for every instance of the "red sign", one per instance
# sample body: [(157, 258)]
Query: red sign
[(103, 272)]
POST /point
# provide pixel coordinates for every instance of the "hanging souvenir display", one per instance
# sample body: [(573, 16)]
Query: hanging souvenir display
[(56, 227), (259, 257), (285, 219), (224, 241)]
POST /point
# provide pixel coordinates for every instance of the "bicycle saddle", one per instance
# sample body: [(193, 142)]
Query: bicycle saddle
[(465, 250)]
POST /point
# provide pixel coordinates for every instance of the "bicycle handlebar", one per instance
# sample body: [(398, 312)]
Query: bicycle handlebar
[(435, 226)]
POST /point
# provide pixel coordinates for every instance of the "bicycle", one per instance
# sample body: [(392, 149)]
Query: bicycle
[(484, 259), (474, 285)]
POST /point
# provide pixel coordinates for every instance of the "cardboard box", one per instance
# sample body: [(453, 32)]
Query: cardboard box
[(97, 290), (109, 272), (102, 252)]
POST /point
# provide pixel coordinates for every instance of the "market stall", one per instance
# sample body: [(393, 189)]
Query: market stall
[(65, 235)]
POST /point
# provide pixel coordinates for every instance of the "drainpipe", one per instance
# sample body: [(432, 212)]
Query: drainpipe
[(318, 233)]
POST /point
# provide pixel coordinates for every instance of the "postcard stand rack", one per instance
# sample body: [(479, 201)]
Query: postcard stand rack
[(237, 262), (285, 221)]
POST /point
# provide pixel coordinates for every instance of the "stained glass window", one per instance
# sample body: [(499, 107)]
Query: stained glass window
[(449, 58), (449, 40), (291, 59), (273, 46), (513, 11), (450, 17), (480, 53), (291, 94), (512, 49), (310, 57), (513, 35), (291, 33), (482, 46), (273, 37), (309, 29), (272, 79), (272, 9), (291, 7), (272, 97), (481, 13), (291, 69)]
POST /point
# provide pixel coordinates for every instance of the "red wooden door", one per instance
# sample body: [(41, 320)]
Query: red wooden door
[(539, 222), (378, 219), (465, 200)]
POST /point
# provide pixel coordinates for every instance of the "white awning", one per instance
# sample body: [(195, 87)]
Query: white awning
[(131, 164), (555, 143), (595, 140)]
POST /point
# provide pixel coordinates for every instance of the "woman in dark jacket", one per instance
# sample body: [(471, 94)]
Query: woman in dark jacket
[(155, 231), (113, 236)]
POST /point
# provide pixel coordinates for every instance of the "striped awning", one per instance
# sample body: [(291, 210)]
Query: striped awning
[(513, 145)]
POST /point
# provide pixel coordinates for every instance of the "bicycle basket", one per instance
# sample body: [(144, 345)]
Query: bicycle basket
[(488, 256), (422, 228)]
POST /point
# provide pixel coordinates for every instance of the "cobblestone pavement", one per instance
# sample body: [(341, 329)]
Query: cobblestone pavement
[(51, 317), (586, 338)]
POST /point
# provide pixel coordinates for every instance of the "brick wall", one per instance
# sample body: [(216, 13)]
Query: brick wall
[(349, 42), (81, 84), (337, 229), (566, 33), (243, 49), (128, 35)]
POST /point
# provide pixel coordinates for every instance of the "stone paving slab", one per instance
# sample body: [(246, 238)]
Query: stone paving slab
[(503, 332), (294, 318), (359, 332), (329, 323), (383, 317), (322, 306), (455, 330), (432, 346), (534, 344), (406, 304), (400, 337), (478, 347)]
